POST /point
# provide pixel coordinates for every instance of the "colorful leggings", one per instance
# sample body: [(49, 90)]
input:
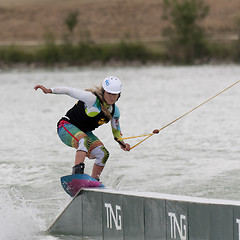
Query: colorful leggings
[(88, 142)]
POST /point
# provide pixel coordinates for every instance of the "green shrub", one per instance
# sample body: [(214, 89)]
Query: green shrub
[(12, 54), (186, 36), (131, 52), (237, 44), (48, 54)]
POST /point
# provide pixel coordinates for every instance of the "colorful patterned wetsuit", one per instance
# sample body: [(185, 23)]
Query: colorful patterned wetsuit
[(75, 128)]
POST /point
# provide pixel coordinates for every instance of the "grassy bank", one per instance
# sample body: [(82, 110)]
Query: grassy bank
[(82, 54)]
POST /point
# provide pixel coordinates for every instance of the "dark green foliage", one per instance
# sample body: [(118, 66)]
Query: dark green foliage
[(186, 36), (12, 54), (80, 54), (71, 20), (48, 55), (237, 44), (131, 52)]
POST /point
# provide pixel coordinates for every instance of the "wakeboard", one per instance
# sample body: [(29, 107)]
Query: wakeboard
[(73, 183)]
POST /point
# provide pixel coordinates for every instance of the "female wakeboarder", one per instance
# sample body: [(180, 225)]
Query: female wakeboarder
[(94, 107)]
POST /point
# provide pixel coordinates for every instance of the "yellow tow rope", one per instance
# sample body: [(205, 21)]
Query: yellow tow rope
[(156, 131)]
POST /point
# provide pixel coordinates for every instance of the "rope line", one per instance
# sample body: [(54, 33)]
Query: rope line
[(149, 135)]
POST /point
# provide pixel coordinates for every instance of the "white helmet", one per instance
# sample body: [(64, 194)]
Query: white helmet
[(112, 85)]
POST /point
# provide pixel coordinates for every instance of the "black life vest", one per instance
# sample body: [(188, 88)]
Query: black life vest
[(78, 117)]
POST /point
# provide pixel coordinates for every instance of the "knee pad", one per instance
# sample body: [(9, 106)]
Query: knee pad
[(101, 154), (84, 144)]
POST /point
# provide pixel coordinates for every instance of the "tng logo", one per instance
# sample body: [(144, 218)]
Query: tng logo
[(113, 216), (175, 226)]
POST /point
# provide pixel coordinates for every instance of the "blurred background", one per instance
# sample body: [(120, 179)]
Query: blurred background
[(80, 32)]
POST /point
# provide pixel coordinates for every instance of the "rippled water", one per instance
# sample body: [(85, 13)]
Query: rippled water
[(196, 156)]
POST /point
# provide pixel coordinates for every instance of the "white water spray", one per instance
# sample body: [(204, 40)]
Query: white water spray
[(19, 219)]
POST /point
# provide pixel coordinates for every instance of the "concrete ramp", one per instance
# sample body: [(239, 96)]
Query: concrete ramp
[(108, 214)]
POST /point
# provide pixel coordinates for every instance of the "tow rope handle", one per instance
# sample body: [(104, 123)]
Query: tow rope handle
[(120, 142)]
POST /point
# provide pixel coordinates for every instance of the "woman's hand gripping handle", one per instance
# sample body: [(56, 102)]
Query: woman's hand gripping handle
[(124, 146)]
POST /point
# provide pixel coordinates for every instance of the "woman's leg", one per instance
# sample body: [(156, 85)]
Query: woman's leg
[(86, 144), (74, 137), (79, 166), (91, 145), (96, 171), (80, 157), (101, 154)]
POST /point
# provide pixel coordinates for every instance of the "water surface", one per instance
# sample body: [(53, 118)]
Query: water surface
[(196, 156)]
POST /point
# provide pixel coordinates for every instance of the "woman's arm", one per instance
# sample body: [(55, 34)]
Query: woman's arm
[(117, 131), (84, 96)]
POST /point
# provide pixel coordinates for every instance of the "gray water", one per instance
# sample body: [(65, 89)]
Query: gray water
[(196, 156)]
